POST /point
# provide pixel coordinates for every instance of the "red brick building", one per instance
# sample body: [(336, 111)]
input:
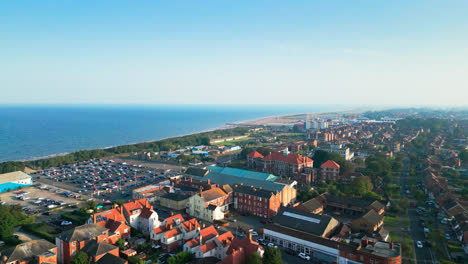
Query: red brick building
[(114, 220), (255, 201), (35, 251), (280, 163), (71, 241), (329, 170)]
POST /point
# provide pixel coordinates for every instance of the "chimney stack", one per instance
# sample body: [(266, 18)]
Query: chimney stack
[(391, 245), (250, 236), (209, 182), (172, 213)]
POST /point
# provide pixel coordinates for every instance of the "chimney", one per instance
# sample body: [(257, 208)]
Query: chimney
[(365, 242), (172, 213), (209, 182), (250, 236), (391, 245)]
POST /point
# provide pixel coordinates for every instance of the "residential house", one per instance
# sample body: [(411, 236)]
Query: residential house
[(96, 250), (140, 215), (329, 170), (34, 251), (113, 220), (71, 241), (174, 231), (240, 250), (209, 205)]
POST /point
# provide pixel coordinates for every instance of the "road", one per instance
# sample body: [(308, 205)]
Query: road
[(416, 230)]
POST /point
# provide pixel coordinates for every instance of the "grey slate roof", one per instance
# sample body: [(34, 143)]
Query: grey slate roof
[(28, 250), (222, 179), (111, 259), (252, 191), (82, 233), (93, 248), (318, 225), (175, 196)]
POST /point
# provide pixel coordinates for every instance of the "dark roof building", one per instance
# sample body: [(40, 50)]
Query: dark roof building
[(319, 225), (33, 251)]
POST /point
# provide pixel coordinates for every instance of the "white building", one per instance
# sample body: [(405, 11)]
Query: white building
[(139, 214), (209, 205), (14, 180)]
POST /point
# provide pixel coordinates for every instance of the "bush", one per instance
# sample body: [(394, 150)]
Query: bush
[(180, 258)]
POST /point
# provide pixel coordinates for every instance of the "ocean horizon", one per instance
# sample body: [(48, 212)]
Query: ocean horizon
[(29, 132)]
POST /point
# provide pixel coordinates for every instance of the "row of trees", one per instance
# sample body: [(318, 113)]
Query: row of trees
[(10, 217)]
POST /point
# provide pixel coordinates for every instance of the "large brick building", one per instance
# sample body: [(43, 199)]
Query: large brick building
[(282, 163), (74, 240), (255, 201), (329, 170)]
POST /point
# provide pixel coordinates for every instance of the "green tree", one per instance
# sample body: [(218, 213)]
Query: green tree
[(272, 256), (361, 185), (180, 258), (404, 203), (80, 258), (120, 243), (254, 258)]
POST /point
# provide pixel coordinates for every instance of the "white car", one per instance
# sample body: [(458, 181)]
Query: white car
[(66, 223), (304, 256), (419, 244), (254, 233), (272, 245)]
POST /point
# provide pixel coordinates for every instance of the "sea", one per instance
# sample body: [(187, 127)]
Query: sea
[(29, 132)]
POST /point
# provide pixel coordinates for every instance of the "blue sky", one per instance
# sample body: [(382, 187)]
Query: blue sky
[(234, 52)]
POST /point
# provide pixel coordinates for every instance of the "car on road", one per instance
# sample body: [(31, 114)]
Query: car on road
[(304, 256), (447, 236), (254, 233), (419, 244)]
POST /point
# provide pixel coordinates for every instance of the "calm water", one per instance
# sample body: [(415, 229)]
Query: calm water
[(28, 132)]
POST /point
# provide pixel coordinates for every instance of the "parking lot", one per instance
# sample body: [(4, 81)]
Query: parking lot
[(35, 200), (102, 178)]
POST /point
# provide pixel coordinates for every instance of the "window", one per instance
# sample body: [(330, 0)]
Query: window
[(73, 243)]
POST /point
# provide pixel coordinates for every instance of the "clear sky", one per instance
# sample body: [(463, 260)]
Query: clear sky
[(234, 52)]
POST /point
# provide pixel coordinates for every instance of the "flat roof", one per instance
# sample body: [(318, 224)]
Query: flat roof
[(13, 176)]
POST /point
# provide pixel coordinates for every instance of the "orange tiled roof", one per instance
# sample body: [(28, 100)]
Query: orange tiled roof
[(330, 164), (190, 225), (208, 247), (226, 238), (137, 204), (112, 214), (290, 158), (170, 220), (208, 233), (255, 154), (172, 233)]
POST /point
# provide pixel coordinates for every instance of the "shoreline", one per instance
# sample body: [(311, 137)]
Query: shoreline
[(241, 123)]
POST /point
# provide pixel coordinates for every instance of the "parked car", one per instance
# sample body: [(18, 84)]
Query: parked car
[(419, 244), (304, 256), (272, 245)]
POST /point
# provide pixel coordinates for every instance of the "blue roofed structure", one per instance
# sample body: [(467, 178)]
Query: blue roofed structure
[(222, 179), (254, 175)]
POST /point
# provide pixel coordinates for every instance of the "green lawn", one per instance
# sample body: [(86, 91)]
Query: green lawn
[(391, 221)]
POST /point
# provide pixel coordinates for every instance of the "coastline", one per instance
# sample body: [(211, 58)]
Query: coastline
[(283, 119)]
